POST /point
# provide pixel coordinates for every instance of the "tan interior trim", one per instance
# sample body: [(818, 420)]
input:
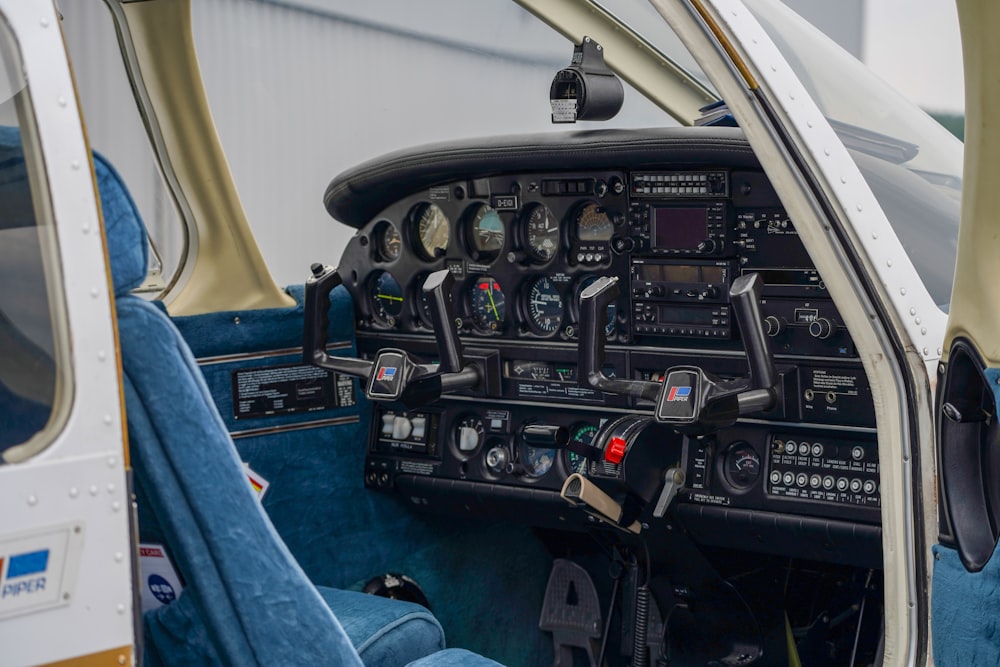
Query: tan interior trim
[(115, 656), (228, 271), (974, 313)]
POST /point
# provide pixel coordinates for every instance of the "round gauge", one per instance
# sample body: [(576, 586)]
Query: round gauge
[(544, 305), (581, 432), (386, 298), (541, 232), (593, 224), (485, 232), (388, 242), (537, 461), (431, 228), (487, 304), (469, 432), (742, 465), (609, 326)]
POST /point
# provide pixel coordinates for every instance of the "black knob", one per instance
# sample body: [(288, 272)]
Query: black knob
[(773, 325), (706, 246), (517, 257), (317, 269), (617, 186), (622, 245), (820, 328)]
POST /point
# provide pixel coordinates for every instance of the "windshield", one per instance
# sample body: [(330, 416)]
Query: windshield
[(912, 164)]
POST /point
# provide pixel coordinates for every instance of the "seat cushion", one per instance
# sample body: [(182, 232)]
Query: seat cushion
[(454, 657), (385, 632)]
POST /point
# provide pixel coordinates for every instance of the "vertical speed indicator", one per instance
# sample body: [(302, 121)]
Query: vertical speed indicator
[(544, 305)]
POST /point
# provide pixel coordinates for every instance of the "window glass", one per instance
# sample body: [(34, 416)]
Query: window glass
[(302, 90), (33, 346), (912, 164), (116, 130)]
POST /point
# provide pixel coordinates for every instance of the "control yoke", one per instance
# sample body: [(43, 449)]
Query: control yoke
[(393, 376), (689, 399)]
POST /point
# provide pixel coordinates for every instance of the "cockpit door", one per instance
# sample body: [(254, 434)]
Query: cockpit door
[(66, 554), (966, 583)]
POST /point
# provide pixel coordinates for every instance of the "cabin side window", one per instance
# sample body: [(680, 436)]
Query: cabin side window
[(34, 385)]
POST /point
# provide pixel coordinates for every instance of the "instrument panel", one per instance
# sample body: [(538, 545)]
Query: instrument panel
[(522, 245)]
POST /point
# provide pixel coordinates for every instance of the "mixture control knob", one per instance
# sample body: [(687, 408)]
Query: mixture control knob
[(820, 328), (773, 325)]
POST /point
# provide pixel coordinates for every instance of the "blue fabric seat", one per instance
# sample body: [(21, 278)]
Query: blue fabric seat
[(246, 600)]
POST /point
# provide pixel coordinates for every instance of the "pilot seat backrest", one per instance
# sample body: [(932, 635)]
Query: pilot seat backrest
[(246, 599)]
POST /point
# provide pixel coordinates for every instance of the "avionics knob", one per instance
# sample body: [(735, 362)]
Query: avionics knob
[(820, 328), (773, 325), (706, 246)]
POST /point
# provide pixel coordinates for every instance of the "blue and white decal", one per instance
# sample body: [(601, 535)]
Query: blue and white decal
[(38, 568)]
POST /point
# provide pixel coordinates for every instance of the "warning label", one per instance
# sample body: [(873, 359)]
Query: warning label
[(280, 390), (825, 380)]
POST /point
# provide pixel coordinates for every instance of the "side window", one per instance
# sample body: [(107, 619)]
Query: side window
[(34, 391)]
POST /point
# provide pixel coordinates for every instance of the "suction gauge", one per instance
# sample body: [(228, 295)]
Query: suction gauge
[(388, 242)]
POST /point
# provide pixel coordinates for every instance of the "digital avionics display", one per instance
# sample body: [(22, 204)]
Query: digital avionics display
[(695, 316), (679, 228), (682, 273)]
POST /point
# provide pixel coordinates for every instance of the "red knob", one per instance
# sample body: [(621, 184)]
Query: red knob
[(615, 451)]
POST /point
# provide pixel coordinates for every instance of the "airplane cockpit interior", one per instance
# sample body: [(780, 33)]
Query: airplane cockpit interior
[(583, 394)]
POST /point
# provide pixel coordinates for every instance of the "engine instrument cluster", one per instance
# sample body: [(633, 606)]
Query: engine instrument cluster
[(522, 246)]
